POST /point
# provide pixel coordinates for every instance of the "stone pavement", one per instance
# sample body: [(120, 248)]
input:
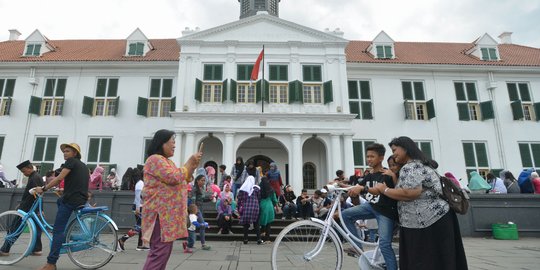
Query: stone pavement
[(482, 253)]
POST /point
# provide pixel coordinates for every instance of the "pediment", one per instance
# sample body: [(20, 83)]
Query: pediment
[(137, 35), (486, 40), (383, 38), (262, 28), (36, 36)]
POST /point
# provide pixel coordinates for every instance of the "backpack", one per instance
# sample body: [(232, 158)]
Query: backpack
[(457, 199)]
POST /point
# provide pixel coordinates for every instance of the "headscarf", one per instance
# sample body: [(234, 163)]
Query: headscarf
[(239, 168), (534, 175), (450, 176), (273, 173), (210, 172), (251, 170), (477, 182), (266, 189), (524, 176), (502, 175), (98, 172), (248, 185)]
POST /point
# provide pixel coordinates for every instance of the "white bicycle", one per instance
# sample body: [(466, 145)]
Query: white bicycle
[(317, 244)]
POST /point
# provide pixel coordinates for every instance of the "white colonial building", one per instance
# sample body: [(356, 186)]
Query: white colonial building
[(470, 106)]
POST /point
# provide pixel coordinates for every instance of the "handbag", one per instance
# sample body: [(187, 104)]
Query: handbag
[(457, 199)]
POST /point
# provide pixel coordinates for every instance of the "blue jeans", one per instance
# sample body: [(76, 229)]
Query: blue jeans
[(289, 210), (59, 237), (386, 229), (192, 235), (235, 188), (200, 219)]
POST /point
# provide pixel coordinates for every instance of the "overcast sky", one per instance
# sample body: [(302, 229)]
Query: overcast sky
[(403, 20)]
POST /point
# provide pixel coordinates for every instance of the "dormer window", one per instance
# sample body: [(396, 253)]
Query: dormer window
[(136, 49), (489, 54), (384, 51), (33, 50)]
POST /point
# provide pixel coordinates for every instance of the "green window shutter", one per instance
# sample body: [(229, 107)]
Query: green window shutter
[(537, 110), (486, 109), (35, 105), (61, 88), (460, 92), (10, 88), (173, 104), (512, 91), (117, 105), (354, 108), (380, 51), (492, 54), (430, 109), (29, 49), (388, 51), (266, 92), (367, 112), (283, 73), (485, 54), (273, 73), (407, 90), (51, 149), (207, 73), (39, 149), (45, 167), (258, 91), (37, 49), (353, 89), (113, 88), (481, 154), (295, 92), (2, 139), (232, 95), (426, 148), (405, 103), (525, 153), (463, 111), (468, 152), (299, 92), (167, 88), (358, 153), (517, 109), (105, 154), (1, 86), (88, 106), (93, 150), (49, 88), (142, 107), (101, 87), (241, 73), (307, 73), (365, 92), (328, 92), (218, 73), (140, 48), (198, 90), (224, 91), (535, 147), (524, 92), (292, 92), (317, 73), (132, 48), (419, 91), (155, 87), (471, 91)]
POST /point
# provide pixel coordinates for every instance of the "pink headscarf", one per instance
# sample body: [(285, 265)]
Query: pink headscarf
[(210, 171), (450, 176)]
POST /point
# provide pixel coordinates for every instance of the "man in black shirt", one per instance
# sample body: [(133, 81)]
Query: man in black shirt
[(378, 206), (34, 180)]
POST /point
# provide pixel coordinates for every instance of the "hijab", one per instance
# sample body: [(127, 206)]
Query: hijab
[(477, 182), (248, 185), (524, 176), (226, 194), (273, 173), (502, 175), (450, 176), (97, 174), (211, 172), (239, 167)]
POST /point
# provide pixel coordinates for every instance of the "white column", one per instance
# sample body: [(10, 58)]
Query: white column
[(177, 157), (348, 155), (189, 144), (295, 166), (336, 153), (228, 150)]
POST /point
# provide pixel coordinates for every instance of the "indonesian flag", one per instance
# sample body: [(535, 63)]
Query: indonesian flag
[(255, 72)]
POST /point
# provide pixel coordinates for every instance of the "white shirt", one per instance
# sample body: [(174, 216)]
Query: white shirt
[(138, 190)]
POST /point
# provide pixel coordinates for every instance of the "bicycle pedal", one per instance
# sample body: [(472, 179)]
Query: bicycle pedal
[(352, 254)]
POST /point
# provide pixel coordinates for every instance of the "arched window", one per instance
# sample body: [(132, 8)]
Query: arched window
[(309, 175)]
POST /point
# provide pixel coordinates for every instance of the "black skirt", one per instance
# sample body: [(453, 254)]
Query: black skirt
[(438, 246)]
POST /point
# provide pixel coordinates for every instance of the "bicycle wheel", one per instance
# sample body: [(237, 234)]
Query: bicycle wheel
[(297, 242), (91, 243), (16, 238)]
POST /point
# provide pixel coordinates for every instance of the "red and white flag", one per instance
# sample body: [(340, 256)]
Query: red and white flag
[(256, 67)]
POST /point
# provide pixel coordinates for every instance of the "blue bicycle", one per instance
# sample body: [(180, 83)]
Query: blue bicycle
[(91, 236)]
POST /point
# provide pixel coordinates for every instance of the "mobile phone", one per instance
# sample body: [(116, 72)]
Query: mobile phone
[(201, 147)]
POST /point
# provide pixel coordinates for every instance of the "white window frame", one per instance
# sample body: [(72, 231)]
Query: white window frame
[(279, 93), (212, 92), (385, 56), (483, 171), (312, 93), (246, 93), (99, 162), (33, 51)]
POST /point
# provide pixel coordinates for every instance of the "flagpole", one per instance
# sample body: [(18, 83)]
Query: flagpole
[(262, 83)]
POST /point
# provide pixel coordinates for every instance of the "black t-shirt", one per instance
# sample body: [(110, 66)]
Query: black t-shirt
[(34, 180), (76, 182), (382, 204)]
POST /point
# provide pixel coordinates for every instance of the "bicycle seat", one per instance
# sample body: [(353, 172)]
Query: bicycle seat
[(93, 209)]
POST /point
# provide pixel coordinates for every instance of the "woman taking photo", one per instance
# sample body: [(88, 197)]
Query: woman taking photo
[(165, 198), (429, 234)]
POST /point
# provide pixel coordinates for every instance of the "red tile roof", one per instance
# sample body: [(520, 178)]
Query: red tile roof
[(169, 50), (90, 50), (444, 54)]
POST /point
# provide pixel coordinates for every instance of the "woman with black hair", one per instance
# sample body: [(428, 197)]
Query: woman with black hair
[(165, 198), (127, 179), (429, 235), (266, 206), (237, 175)]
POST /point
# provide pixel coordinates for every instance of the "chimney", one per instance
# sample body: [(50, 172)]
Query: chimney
[(506, 38), (14, 34)]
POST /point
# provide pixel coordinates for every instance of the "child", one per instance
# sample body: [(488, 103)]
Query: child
[(225, 215), (193, 225)]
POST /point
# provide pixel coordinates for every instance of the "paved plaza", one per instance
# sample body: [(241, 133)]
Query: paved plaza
[(482, 253)]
